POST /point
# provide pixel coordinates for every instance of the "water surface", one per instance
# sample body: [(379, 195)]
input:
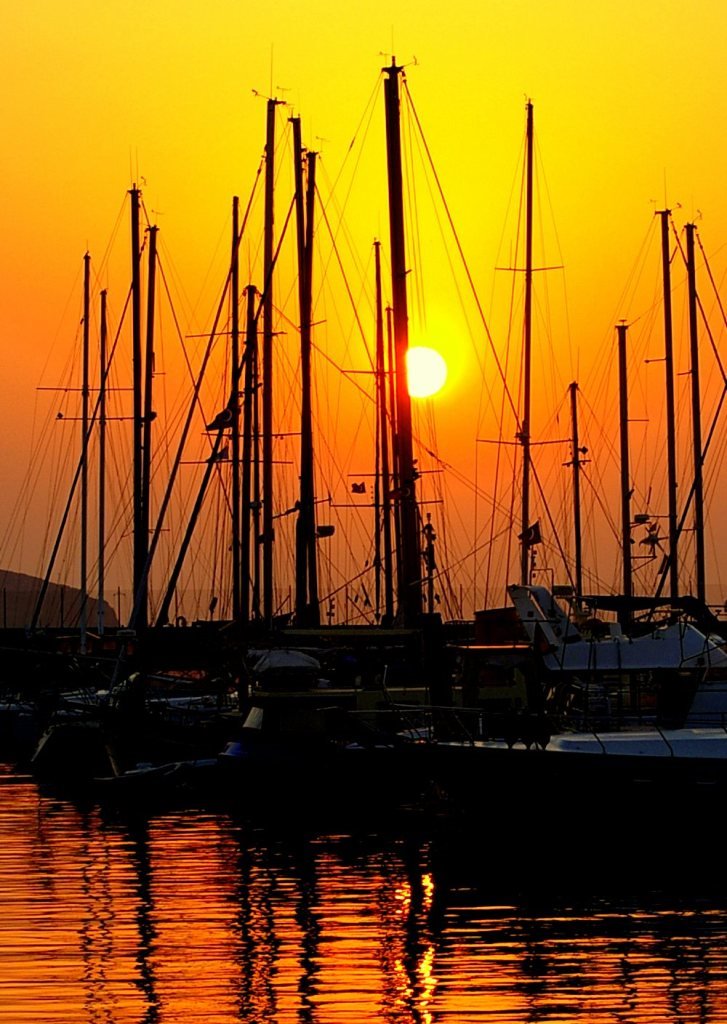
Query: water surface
[(187, 915)]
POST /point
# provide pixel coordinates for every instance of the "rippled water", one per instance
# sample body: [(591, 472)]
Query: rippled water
[(188, 915)]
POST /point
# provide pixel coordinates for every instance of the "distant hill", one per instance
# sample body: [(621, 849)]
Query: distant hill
[(61, 606)]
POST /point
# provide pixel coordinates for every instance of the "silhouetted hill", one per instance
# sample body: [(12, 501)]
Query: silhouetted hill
[(61, 606)]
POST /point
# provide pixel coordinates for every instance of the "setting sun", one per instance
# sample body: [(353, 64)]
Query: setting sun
[(427, 371)]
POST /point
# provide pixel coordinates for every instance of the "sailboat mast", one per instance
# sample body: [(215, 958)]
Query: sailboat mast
[(102, 463), (83, 615), (696, 418), (301, 546), (622, 328), (527, 343), (235, 409), (409, 582), (383, 424), (267, 391), (306, 577), (148, 412), (576, 465), (139, 532), (314, 608), (77, 481), (250, 400), (670, 408), (395, 510), (256, 506)]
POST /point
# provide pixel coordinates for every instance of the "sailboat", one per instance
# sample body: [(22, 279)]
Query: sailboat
[(331, 710), (626, 713), (629, 726), (365, 671)]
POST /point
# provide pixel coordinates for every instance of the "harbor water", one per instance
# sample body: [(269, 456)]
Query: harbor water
[(190, 914)]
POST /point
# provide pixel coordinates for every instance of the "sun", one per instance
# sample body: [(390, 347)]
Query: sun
[(426, 371)]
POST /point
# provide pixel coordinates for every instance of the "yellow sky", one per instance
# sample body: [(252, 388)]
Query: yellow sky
[(628, 117)]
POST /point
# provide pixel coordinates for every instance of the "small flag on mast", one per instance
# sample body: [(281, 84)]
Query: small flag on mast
[(221, 421), (531, 536)]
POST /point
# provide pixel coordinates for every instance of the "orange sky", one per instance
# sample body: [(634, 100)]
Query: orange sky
[(627, 111)]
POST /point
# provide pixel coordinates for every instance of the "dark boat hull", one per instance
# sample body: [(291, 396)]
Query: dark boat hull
[(297, 778), (591, 785)]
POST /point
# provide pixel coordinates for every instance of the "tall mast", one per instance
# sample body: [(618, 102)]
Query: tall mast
[(267, 393), (102, 464), (83, 617), (670, 408), (78, 480), (409, 583), (256, 506), (525, 420), (314, 613), (383, 425), (148, 416), (235, 410), (696, 419), (395, 511), (139, 532), (306, 580), (576, 464), (622, 328), (249, 403)]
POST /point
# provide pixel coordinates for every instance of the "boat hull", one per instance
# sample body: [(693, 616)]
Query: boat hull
[(590, 775), (301, 778)]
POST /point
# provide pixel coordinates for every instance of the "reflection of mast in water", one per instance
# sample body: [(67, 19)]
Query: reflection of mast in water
[(139, 835), (197, 939), (307, 918), (277, 923), (95, 938), (258, 947), (86, 895), (408, 950), (322, 919), (348, 922)]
